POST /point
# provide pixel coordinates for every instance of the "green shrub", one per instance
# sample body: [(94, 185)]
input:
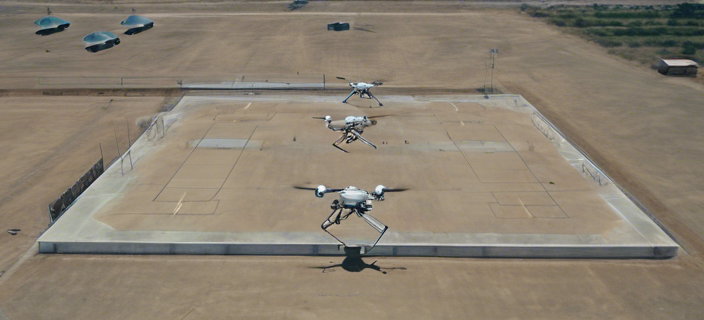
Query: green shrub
[(636, 23), (689, 11), (609, 43), (688, 48), (685, 32), (580, 23), (598, 32), (640, 32), (628, 15), (634, 44), (672, 22), (558, 22), (660, 43), (538, 14)]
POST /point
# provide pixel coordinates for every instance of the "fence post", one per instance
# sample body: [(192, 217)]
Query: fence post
[(129, 142)]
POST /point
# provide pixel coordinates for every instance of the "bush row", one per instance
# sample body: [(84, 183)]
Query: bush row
[(681, 11), (629, 15), (689, 48), (666, 43), (645, 32)]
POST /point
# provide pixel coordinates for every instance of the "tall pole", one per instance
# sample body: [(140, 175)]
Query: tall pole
[(493, 55), (492, 73), (129, 142), (117, 145), (486, 75)]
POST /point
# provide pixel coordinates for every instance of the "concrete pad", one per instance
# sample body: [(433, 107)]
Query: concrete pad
[(214, 186)]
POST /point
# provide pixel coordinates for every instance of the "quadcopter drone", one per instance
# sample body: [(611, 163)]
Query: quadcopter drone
[(352, 128), (357, 201), (362, 89)]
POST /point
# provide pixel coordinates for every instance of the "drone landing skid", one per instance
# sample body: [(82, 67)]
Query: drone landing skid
[(351, 134), (335, 144), (376, 224), (370, 96)]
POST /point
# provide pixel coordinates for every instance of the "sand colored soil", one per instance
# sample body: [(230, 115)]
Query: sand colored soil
[(641, 127)]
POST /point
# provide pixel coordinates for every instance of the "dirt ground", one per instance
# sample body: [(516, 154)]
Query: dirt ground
[(48, 143), (641, 127)]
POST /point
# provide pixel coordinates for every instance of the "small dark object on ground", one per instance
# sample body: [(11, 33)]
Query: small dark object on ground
[(13, 231), (339, 26), (297, 4)]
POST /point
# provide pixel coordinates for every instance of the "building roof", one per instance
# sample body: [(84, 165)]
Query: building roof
[(679, 63)]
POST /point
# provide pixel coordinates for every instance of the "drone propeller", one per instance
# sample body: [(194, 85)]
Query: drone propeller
[(316, 188), (376, 82)]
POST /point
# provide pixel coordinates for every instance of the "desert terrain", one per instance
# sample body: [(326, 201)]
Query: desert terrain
[(642, 128)]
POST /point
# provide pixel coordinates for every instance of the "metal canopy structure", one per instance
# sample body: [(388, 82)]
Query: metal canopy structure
[(135, 21), (99, 37), (51, 22)]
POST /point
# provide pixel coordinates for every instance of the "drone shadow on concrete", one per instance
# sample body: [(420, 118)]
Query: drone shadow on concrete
[(356, 264), (353, 263), (360, 105)]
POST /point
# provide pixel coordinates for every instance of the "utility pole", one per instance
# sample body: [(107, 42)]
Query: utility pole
[(493, 53)]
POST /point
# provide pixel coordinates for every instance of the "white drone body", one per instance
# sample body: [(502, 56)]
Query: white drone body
[(355, 200), (362, 89), (361, 85), (352, 128)]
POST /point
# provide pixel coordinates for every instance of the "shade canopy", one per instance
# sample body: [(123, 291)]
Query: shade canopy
[(50, 22), (134, 21), (99, 37)]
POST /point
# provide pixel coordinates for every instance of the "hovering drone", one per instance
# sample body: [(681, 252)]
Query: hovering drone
[(362, 89), (357, 201), (352, 128)]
